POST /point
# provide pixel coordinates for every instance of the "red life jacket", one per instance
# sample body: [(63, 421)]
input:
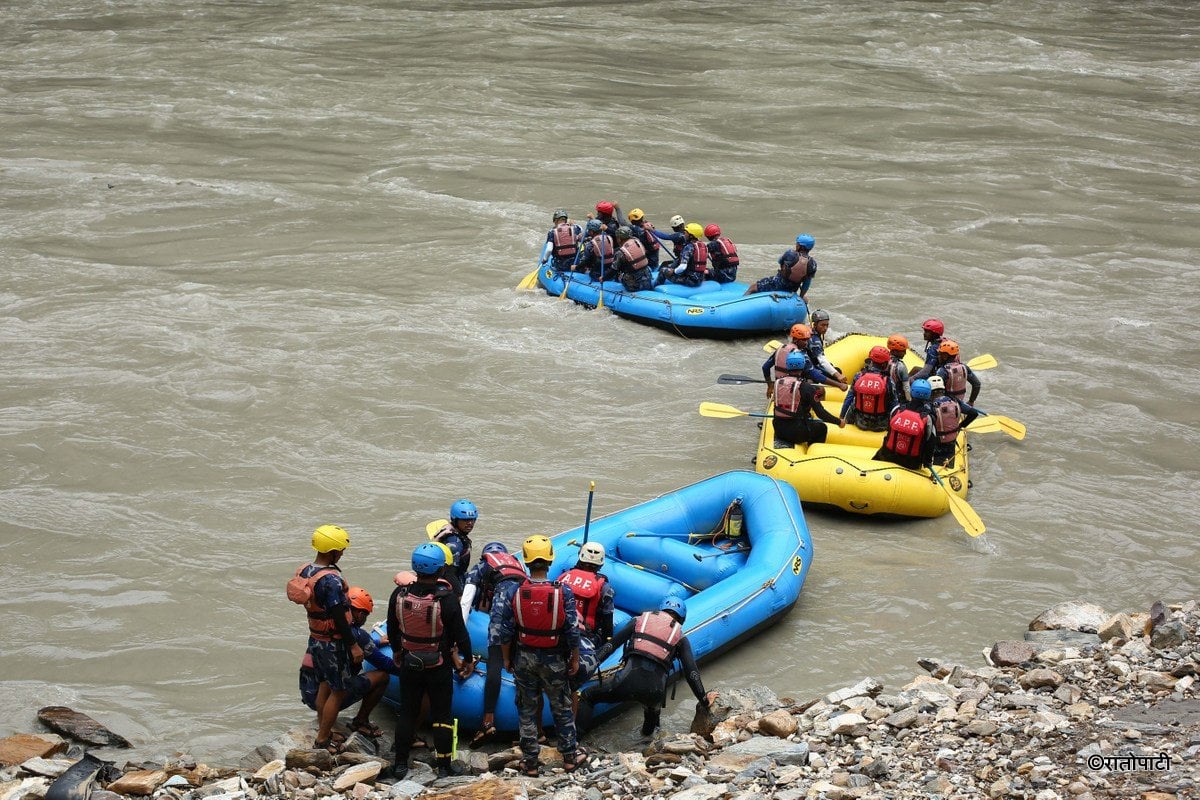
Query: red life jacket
[(303, 591), (565, 240), (906, 432), (602, 244), (956, 378), (727, 249), (789, 402), (946, 420), (588, 588), (870, 393), (504, 567), (540, 614), (649, 239), (635, 252), (655, 635), (698, 262), (797, 272), (781, 359), (420, 620)]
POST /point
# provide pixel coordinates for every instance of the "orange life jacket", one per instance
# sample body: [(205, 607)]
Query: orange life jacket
[(655, 636), (302, 590)]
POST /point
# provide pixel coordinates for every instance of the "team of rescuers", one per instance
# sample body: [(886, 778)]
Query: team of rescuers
[(604, 247), (920, 413), (552, 635)]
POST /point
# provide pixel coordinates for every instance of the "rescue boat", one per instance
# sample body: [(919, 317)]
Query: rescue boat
[(709, 311), (674, 545), (843, 473)]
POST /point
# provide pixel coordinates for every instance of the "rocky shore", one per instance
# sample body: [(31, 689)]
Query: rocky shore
[(1086, 705)]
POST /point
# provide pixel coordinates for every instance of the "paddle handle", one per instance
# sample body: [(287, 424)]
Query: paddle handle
[(587, 518)]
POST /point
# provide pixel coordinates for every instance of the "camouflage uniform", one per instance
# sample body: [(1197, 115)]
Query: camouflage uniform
[(538, 670)]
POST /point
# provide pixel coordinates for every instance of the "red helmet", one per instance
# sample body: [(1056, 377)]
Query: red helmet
[(949, 347), (801, 331), (604, 207), (879, 355), (711, 230), (360, 599), (934, 326)]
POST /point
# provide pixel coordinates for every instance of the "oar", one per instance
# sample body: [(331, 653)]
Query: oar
[(985, 361), (530, 281), (432, 528), (961, 509), (571, 274), (587, 518), (738, 380), (722, 411), (772, 346), (984, 425), (699, 557), (1007, 424), (600, 304)]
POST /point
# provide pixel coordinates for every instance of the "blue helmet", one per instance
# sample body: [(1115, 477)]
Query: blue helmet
[(428, 558), (806, 241), (463, 509), (494, 547), (594, 226), (921, 390), (675, 606), (797, 361)]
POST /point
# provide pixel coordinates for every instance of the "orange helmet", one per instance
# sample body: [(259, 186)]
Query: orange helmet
[(897, 342), (949, 347), (360, 599), (801, 331), (879, 355)]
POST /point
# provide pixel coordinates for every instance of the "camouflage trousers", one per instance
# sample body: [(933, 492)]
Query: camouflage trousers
[(537, 672)]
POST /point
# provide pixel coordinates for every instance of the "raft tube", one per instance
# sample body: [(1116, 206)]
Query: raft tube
[(665, 547)]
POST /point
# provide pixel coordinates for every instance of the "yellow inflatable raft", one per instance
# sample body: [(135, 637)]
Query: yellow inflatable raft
[(843, 473)]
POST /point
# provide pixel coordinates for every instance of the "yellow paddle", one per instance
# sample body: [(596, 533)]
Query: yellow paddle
[(530, 281), (961, 509), (432, 528), (985, 361), (984, 425), (1007, 424), (722, 411)]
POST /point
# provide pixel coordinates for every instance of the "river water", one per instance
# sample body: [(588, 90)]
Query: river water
[(259, 265)]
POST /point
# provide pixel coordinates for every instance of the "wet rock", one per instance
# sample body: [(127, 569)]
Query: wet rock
[(300, 759), (904, 718), (1167, 636), (848, 725), (47, 767), (487, 789), (1072, 615), (1062, 638), (80, 727), (24, 746), (269, 770), (356, 773), (405, 788), (298, 738), (867, 687), (497, 761), (780, 724), (786, 753), (140, 782), (1118, 626), (20, 790), (1040, 678)]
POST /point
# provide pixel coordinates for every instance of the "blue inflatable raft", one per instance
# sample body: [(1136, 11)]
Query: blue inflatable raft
[(665, 547), (709, 311)]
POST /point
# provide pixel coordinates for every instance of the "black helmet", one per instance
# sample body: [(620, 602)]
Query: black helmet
[(559, 213), (624, 232), (820, 316)]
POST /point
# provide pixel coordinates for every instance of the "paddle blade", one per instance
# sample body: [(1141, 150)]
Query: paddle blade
[(566, 285), (1010, 426), (772, 346), (529, 281), (721, 411), (600, 302), (986, 361), (432, 528), (966, 516), (738, 380), (984, 425)]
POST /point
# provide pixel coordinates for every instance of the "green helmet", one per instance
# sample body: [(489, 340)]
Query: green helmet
[(560, 213)]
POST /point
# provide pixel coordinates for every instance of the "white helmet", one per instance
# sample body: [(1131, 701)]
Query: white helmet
[(677, 221), (936, 382), (592, 553)]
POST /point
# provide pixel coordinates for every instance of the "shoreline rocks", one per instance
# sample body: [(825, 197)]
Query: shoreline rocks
[(1088, 705)]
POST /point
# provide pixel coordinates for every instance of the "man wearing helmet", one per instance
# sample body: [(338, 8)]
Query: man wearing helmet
[(332, 648), (897, 346), (425, 627), (723, 254), (693, 260), (537, 627), (645, 233), (677, 237), (456, 535), (816, 345), (632, 262), (653, 641), (800, 335), (596, 258), (796, 400), (910, 436), (950, 415), (954, 373), (367, 687), (932, 331), (563, 240), (594, 596), (871, 395), (796, 270), (609, 215)]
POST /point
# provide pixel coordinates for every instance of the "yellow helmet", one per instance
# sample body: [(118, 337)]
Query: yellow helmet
[(636, 215), (537, 548), (694, 229), (449, 553), (328, 538)]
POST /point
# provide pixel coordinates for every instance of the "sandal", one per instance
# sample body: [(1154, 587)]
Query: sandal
[(366, 729), (483, 735), (333, 747), (580, 760), (530, 768)]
